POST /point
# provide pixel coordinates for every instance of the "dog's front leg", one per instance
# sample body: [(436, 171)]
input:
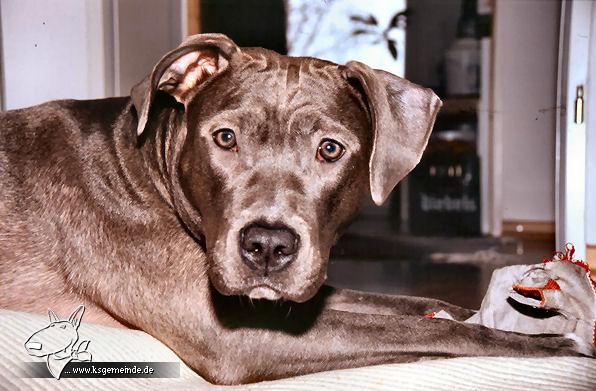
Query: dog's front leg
[(382, 304), (250, 346)]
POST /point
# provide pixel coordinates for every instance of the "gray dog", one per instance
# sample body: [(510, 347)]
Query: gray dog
[(229, 172)]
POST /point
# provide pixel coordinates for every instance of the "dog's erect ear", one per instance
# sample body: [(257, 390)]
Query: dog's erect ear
[(403, 115), (53, 316), (198, 58), (76, 316)]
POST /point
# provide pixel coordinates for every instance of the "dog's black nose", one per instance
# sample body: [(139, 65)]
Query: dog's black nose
[(268, 248)]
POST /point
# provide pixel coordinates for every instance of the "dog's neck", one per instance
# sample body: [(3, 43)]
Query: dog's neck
[(161, 146)]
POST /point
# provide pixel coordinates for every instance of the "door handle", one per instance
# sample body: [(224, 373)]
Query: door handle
[(579, 105)]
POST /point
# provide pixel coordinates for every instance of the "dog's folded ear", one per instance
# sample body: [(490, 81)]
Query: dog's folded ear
[(197, 59), (403, 115)]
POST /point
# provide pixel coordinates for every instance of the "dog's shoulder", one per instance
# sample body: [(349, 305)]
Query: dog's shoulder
[(52, 129), (53, 139), (68, 114), (91, 113)]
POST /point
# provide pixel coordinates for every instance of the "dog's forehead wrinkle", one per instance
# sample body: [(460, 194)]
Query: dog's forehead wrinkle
[(292, 84), (240, 119), (267, 113), (254, 59), (301, 117)]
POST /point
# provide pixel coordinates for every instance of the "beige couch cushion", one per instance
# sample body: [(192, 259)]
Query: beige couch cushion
[(112, 344)]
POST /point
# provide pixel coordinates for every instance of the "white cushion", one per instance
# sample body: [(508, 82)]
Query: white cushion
[(113, 344)]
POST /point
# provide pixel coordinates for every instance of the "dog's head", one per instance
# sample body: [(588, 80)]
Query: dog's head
[(268, 157)]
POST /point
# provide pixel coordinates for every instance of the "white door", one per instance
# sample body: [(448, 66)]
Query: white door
[(578, 22)]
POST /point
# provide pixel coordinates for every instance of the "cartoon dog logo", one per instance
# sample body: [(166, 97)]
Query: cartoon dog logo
[(58, 341)]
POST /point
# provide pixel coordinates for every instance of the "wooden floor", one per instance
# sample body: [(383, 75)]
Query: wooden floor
[(459, 275)]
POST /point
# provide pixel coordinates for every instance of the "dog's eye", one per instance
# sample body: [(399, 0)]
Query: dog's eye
[(225, 138), (330, 151)]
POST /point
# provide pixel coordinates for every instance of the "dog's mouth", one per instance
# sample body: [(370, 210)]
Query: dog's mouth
[(264, 289), (264, 292)]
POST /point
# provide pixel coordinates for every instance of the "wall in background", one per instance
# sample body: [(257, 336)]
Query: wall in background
[(145, 30), (53, 49), (83, 49), (526, 43)]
